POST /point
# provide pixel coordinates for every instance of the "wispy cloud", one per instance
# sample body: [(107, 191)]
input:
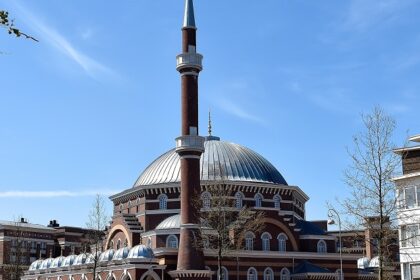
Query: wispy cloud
[(237, 111), (48, 34), (363, 14), (52, 194)]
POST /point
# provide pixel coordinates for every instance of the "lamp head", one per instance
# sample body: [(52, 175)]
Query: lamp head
[(331, 222)]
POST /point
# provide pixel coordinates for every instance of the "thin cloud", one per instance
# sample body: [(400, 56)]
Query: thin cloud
[(92, 67), (53, 194), (363, 14), (235, 110)]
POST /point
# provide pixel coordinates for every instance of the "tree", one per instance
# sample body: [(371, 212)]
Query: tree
[(19, 252), (9, 25), (97, 222), (223, 226), (372, 201)]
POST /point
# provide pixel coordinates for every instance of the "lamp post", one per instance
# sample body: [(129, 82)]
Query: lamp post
[(331, 214)]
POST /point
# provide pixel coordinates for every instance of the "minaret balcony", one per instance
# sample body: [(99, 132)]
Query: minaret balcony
[(189, 143), (189, 60)]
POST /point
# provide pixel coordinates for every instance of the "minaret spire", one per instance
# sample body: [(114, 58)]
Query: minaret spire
[(210, 127), (189, 18)]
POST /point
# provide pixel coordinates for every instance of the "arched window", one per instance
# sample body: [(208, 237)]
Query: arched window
[(172, 242), (268, 274), (225, 273), (163, 201), (285, 274), (282, 242), (239, 197), (111, 245), (258, 200), (118, 244), (252, 274), (265, 239), (249, 241), (125, 243), (128, 207), (149, 242), (321, 246), (277, 200), (206, 198)]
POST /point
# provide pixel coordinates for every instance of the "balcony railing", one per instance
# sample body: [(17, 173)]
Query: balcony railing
[(190, 143), (189, 60)]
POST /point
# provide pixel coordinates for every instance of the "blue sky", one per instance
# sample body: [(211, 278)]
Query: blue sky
[(87, 108)]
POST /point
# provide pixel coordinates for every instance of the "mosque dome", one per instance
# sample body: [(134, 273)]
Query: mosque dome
[(221, 160), (80, 259), (106, 256), (46, 263), (140, 252), (57, 262), (171, 222), (121, 254), (35, 265)]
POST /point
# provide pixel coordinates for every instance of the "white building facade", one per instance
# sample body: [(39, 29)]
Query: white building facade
[(408, 193)]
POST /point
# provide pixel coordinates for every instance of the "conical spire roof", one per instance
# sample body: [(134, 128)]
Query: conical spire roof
[(189, 19)]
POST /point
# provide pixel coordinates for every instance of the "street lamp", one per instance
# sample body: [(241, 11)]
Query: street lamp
[(331, 214)]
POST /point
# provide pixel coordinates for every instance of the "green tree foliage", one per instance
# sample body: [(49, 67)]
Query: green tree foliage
[(9, 25)]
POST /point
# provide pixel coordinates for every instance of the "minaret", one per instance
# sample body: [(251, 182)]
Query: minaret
[(189, 147)]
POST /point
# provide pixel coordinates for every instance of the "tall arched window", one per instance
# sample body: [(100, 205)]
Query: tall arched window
[(265, 239), (239, 200), (252, 274), (285, 274), (258, 200), (277, 200), (118, 244), (268, 274), (125, 242), (321, 246), (249, 241), (163, 201), (206, 198), (111, 245), (172, 242), (225, 273), (282, 242)]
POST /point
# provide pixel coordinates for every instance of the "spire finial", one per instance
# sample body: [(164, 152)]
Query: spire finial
[(189, 18), (210, 123)]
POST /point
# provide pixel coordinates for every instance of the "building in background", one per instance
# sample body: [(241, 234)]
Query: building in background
[(408, 193), (22, 243)]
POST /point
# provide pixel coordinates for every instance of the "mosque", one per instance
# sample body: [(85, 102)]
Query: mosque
[(153, 228)]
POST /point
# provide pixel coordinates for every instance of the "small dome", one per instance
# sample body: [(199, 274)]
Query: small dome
[(80, 259), (68, 261), (363, 263), (46, 263), (121, 254), (220, 161), (170, 223), (57, 262), (141, 252), (35, 265), (91, 258), (106, 256), (374, 262)]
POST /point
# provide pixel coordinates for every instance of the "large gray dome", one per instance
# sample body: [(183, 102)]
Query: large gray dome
[(220, 161)]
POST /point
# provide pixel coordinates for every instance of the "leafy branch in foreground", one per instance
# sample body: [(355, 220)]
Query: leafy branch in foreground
[(9, 25)]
